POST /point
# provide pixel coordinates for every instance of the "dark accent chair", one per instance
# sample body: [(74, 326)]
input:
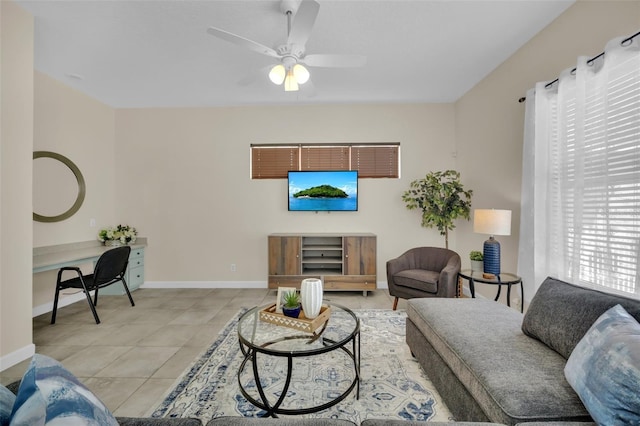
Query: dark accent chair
[(110, 269), (423, 272)]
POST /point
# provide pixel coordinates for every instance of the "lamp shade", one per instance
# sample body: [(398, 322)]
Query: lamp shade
[(290, 83), (277, 74), (492, 222), (301, 74)]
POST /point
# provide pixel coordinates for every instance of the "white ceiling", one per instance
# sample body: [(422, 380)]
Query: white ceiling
[(158, 54)]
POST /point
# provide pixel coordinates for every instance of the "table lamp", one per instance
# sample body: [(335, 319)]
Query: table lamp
[(492, 222)]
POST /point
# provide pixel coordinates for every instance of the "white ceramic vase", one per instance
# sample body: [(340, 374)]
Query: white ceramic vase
[(477, 265), (311, 295)]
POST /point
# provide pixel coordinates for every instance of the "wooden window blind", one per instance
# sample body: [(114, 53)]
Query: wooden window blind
[(324, 158), (374, 160), (273, 162)]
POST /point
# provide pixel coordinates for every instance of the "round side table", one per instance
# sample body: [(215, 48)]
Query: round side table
[(502, 279)]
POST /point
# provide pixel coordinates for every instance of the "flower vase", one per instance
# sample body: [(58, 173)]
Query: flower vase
[(113, 243), (311, 295)]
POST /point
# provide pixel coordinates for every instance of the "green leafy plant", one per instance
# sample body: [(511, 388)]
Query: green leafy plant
[(441, 198), (476, 255), (291, 299)]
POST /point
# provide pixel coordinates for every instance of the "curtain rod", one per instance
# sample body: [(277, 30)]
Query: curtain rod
[(589, 62)]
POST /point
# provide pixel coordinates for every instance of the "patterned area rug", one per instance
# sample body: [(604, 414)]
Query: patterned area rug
[(393, 385)]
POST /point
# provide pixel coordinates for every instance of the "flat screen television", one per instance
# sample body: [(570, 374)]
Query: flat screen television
[(331, 190)]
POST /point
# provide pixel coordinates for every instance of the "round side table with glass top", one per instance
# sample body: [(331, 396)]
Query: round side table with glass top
[(504, 278), (270, 351)]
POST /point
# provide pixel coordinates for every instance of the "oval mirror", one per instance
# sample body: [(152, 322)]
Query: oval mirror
[(54, 188)]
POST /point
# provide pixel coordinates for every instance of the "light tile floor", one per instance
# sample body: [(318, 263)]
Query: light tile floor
[(134, 356)]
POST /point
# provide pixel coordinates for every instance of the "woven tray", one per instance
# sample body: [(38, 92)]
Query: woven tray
[(301, 323)]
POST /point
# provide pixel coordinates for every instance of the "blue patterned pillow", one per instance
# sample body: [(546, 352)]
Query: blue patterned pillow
[(7, 398), (51, 395), (604, 369)]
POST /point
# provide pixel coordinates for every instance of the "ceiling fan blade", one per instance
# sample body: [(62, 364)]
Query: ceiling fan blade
[(335, 61), (303, 22), (241, 41)]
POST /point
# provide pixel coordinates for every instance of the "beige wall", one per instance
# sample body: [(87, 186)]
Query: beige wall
[(82, 129), (16, 145), (489, 120), (183, 179)]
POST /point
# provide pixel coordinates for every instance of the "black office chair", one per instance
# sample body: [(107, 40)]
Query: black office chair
[(109, 269)]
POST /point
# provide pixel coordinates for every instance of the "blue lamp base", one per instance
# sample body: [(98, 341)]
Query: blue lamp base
[(491, 256)]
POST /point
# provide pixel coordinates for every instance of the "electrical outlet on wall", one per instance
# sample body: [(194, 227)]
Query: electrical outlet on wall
[(233, 267), (92, 223)]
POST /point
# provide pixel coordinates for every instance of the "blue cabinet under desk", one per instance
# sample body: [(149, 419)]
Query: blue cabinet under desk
[(134, 275)]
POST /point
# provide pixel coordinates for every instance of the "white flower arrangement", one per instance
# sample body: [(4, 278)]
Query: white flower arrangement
[(124, 233)]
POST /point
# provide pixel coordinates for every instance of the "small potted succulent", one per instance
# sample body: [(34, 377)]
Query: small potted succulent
[(291, 306), (477, 261)]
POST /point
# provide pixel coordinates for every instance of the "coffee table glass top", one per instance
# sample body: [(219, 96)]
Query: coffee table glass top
[(276, 339)]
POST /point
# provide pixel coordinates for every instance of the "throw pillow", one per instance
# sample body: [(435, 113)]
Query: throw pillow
[(50, 395), (561, 313), (604, 369), (7, 399)]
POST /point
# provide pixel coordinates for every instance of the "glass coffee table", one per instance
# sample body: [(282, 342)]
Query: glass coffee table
[(269, 348)]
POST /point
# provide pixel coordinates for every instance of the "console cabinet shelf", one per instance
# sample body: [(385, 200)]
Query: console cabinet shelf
[(341, 261)]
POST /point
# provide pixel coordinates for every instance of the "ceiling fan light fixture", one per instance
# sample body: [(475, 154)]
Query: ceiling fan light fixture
[(277, 74), (290, 83), (301, 74)]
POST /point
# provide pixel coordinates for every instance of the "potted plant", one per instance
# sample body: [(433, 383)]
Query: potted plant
[(441, 198), (477, 261), (118, 235), (291, 306)]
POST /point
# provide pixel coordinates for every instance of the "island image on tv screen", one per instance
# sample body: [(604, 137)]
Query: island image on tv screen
[(335, 190)]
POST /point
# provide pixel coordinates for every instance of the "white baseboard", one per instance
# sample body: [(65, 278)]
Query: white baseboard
[(73, 298), (220, 284), (204, 284), (16, 357), (63, 301)]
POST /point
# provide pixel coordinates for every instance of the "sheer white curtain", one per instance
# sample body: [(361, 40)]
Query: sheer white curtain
[(580, 218)]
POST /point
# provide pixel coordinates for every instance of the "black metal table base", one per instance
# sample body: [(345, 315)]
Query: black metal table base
[(499, 283), (272, 410)]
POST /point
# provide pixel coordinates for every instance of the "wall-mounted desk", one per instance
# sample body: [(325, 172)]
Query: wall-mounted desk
[(73, 254)]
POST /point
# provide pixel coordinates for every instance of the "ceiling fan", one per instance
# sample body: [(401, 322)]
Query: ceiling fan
[(301, 16)]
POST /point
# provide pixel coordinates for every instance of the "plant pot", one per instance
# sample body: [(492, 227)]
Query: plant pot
[(311, 295), (291, 312), (477, 265), (113, 243)]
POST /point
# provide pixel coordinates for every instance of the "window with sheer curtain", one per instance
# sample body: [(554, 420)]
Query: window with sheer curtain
[(371, 160), (581, 174)]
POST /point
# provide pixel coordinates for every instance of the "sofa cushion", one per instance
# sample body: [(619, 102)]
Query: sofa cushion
[(7, 399), (561, 313), (511, 376), (386, 422), (604, 369), (51, 395), (419, 279)]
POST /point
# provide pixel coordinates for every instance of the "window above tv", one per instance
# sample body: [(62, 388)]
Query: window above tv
[(370, 160)]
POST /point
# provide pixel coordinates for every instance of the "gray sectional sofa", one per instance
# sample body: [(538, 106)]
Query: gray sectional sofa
[(491, 363)]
